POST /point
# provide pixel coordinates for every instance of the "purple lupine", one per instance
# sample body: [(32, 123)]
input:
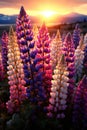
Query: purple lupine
[(33, 77), (68, 48), (4, 41), (79, 57), (76, 35), (85, 58), (43, 48), (80, 105)]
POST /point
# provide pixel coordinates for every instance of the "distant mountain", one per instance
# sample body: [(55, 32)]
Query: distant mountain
[(73, 17), (68, 18)]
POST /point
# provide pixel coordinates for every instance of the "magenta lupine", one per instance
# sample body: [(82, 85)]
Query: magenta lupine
[(80, 105), (4, 41), (1, 69), (56, 49), (76, 35), (59, 91), (33, 77), (69, 50), (43, 48), (15, 75), (79, 57)]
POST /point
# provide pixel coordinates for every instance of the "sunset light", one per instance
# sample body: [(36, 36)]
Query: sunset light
[(48, 14)]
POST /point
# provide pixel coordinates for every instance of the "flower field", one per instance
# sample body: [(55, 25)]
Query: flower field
[(43, 79)]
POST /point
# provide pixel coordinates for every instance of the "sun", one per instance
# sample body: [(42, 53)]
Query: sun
[(47, 13)]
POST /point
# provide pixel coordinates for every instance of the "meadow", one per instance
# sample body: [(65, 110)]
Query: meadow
[(43, 76)]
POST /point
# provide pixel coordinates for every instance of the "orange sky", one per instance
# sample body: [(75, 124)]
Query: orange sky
[(36, 7)]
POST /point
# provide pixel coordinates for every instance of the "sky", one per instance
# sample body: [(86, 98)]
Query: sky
[(35, 7)]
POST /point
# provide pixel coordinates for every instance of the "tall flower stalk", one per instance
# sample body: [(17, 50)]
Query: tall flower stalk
[(4, 41), (76, 35), (15, 75), (80, 105), (69, 50), (33, 77), (43, 52), (1, 69), (56, 49), (59, 91), (79, 57)]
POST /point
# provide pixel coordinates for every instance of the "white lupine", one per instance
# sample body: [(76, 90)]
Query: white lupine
[(56, 49), (79, 57), (85, 39), (59, 91)]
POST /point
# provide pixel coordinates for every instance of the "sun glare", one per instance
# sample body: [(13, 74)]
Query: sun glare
[(47, 14)]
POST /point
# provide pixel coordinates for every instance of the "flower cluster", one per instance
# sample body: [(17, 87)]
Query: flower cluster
[(69, 50), (15, 75), (76, 35), (85, 58), (59, 91), (4, 41), (1, 68), (79, 57), (56, 49), (43, 53), (33, 77), (80, 105)]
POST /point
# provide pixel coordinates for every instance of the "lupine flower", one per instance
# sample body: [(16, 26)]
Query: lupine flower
[(4, 40), (68, 48), (33, 77), (1, 69), (85, 58), (15, 75), (43, 48), (79, 57), (85, 39), (80, 105), (59, 91), (35, 32), (56, 49), (76, 35)]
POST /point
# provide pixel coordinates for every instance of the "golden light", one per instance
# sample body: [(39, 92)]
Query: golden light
[(48, 13)]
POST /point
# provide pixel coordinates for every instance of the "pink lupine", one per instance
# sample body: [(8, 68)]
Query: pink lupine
[(56, 49), (43, 53), (59, 91), (15, 75)]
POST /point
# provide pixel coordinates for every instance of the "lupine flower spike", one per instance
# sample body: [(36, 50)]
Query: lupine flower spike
[(85, 39), (15, 75), (1, 69), (79, 57), (33, 77), (69, 50), (80, 105), (56, 49), (76, 35), (59, 91), (4, 41), (43, 48)]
